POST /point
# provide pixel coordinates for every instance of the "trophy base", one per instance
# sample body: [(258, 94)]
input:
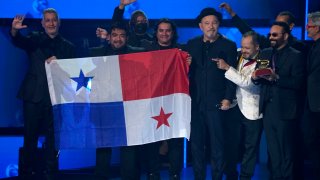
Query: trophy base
[(263, 72)]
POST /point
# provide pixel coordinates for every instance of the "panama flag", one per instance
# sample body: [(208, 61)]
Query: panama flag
[(122, 100)]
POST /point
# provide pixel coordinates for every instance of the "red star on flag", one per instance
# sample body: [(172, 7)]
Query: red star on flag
[(162, 118)]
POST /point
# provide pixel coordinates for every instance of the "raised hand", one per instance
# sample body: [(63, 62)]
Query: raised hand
[(17, 22), (228, 8), (124, 3), (102, 34)]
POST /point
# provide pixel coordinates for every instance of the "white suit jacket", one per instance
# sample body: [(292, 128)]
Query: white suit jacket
[(247, 93)]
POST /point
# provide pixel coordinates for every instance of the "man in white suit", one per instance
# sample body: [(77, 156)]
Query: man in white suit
[(248, 99)]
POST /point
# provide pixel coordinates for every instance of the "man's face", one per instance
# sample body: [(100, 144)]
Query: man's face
[(312, 29), (248, 49), (277, 37), (164, 34), (118, 38), (51, 24), (209, 25), (141, 25)]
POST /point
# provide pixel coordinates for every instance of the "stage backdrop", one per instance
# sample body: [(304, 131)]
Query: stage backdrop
[(177, 9)]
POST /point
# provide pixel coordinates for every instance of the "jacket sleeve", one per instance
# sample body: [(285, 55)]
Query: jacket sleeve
[(231, 60), (23, 42), (243, 27), (117, 14), (241, 80)]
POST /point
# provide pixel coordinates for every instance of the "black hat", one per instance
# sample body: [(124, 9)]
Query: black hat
[(209, 11)]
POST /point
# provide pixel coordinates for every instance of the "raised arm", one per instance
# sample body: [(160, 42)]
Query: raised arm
[(17, 25), (119, 10)]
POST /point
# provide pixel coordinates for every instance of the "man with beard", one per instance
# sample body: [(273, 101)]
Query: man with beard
[(284, 16), (211, 93), (165, 37), (128, 154), (37, 108), (248, 102), (312, 110), (279, 97), (138, 24)]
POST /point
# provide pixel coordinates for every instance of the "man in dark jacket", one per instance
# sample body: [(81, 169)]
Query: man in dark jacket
[(37, 110), (312, 129), (128, 154), (210, 91), (279, 99), (165, 37)]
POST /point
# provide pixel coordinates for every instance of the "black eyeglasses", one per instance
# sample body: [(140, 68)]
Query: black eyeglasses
[(274, 34)]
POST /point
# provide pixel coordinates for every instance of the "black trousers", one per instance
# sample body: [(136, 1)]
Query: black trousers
[(152, 159), (280, 141), (38, 119), (252, 130), (201, 123), (175, 154), (311, 132), (129, 162), (232, 142)]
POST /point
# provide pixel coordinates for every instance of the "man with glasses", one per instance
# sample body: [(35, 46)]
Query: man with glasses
[(284, 16), (279, 97), (312, 122)]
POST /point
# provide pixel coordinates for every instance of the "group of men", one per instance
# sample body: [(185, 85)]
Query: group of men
[(218, 75)]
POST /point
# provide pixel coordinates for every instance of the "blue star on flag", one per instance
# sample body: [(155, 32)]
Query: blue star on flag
[(82, 80)]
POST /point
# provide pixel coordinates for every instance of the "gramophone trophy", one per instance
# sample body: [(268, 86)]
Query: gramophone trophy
[(263, 67)]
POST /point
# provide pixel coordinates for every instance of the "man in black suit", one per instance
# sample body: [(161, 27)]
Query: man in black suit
[(37, 109), (210, 91), (128, 161), (279, 97), (312, 130)]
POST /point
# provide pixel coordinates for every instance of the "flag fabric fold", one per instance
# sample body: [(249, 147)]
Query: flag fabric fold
[(122, 100)]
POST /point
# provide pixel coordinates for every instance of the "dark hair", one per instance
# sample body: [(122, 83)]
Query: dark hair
[(173, 27), (119, 25), (209, 11), (291, 18), (254, 35), (285, 26)]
